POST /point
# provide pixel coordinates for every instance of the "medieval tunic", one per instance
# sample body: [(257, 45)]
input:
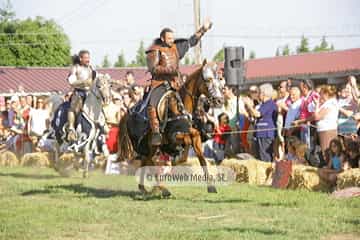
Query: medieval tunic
[(163, 63)]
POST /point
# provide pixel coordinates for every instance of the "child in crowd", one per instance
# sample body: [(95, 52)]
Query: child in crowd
[(291, 143), (335, 159), (221, 137), (300, 151)]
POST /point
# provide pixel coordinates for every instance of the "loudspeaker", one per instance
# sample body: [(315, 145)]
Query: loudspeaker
[(234, 66)]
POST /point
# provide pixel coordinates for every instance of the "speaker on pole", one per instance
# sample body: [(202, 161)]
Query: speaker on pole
[(234, 66)]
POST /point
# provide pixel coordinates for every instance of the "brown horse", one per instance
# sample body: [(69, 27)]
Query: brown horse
[(202, 82)]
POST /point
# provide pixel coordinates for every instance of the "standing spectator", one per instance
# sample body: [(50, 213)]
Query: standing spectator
[(326, 115), (230, 108), (25, 112), (38, 121), (13, 112), (283, 102), (129, 79), (265, 122), (254, 97), (29, 100), (307, 110), (347, 108), (293, 112), (353, 86)]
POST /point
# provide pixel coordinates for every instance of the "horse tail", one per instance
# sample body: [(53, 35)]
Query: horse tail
[(126, 149)]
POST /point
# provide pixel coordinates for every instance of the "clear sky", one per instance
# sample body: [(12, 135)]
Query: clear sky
[(105, 27)]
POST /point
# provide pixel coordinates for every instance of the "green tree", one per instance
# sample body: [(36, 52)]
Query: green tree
[(140, 55), (252, 55), (304, 45), (121, 62), (33, 42), (6, 12), (324, 46), (286, 50), (106, 62), (219, 56)]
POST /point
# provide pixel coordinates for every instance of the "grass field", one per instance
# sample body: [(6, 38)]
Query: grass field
[(38, 204)]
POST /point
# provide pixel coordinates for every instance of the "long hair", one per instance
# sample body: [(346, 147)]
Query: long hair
[(339, 145)]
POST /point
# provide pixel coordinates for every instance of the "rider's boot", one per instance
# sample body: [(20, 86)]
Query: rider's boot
[(71, 136), (154, 126)]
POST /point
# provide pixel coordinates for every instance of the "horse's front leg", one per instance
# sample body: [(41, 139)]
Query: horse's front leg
[(87, 157), (197, 145)]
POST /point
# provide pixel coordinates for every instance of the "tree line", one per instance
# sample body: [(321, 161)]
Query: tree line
[(285, 50), (42, 42)]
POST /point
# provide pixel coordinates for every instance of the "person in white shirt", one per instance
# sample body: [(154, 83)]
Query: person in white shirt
[(38, 121), (326, 115)]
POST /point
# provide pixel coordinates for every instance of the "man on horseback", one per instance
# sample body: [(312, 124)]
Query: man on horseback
[(163, 58), (81, 78)]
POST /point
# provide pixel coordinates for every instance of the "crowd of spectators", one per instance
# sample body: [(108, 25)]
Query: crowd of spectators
[(290, 120)]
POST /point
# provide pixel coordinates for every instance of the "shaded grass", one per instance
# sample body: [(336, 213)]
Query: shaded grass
[(38, 204)]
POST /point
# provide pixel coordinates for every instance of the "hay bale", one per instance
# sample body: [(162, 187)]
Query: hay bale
[(194, 161), (36, 159), (250, 171), (67, 164), (348, 178), (241, 171), (8, 159), (306, 177)]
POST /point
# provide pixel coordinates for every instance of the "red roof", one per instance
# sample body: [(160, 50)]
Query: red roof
[(308, 63), (41, 79)]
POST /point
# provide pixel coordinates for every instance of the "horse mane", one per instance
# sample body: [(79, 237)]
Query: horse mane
[(194, 75)]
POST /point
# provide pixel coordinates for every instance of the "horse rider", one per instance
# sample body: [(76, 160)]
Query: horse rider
[(81, 78), (163, 58)]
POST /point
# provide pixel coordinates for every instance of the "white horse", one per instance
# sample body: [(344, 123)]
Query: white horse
[(90, 125)]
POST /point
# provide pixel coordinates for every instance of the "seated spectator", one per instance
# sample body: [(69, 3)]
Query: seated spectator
[(353, 154), (291, 144), (300, 152), (335, 161)]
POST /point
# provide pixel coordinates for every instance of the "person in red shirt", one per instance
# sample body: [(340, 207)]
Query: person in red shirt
[(220, 137)]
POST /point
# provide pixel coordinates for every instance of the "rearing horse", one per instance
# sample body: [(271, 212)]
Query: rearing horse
[(178, 129)]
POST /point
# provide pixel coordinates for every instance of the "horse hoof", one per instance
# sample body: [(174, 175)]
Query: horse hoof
[(165, 193), (211, 189)]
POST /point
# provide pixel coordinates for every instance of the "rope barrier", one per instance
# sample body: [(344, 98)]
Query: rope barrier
[(274, 129)]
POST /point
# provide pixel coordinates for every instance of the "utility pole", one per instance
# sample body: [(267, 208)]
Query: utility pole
[(197, 48)]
